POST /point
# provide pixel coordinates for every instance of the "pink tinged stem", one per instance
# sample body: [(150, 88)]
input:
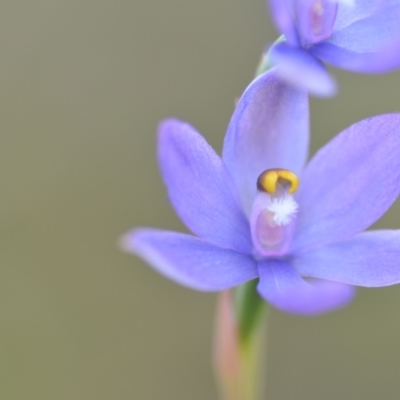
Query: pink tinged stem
[(237, 361)]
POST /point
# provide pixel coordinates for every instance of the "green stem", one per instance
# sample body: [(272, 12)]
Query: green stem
[(240, 344), (265, 63)]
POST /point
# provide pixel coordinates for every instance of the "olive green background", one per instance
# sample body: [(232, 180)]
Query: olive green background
[(83, 85)]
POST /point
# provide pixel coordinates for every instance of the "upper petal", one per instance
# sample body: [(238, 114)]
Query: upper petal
[(200, 187), (283, 15), (190, 261), (369, 259), (301, 69), (369, 44), (370, 33), (283, 287), (351, 11), (349, 183), (269, 129)]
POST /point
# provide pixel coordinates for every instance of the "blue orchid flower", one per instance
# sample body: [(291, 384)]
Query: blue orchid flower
[(259, 212), (356, 35)]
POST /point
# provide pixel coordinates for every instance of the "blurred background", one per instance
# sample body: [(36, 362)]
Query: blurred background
[(83, 85)]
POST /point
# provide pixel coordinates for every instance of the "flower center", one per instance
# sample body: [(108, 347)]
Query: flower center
[(273, 214)]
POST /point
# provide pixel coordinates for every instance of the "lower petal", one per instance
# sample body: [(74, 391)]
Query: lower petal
[(282, 286), (190, 261), (301, 69), (369, 259)]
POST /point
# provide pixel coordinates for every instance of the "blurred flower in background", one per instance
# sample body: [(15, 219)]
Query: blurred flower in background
[(360, 36)]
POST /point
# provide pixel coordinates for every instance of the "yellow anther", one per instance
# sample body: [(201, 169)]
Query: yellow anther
[(270, 178)]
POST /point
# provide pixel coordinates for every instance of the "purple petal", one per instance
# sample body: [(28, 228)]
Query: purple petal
[(352, 11), (283, 287), (369, 34), (200, 187), (349, 183), (368, 259), (369, 44), (382, 60), (315, 19), (301, 69), (269, 129), (283, 15), (190, 261)]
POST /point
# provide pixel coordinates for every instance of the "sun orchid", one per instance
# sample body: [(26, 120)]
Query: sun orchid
[(356, 35), (259, 212)]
